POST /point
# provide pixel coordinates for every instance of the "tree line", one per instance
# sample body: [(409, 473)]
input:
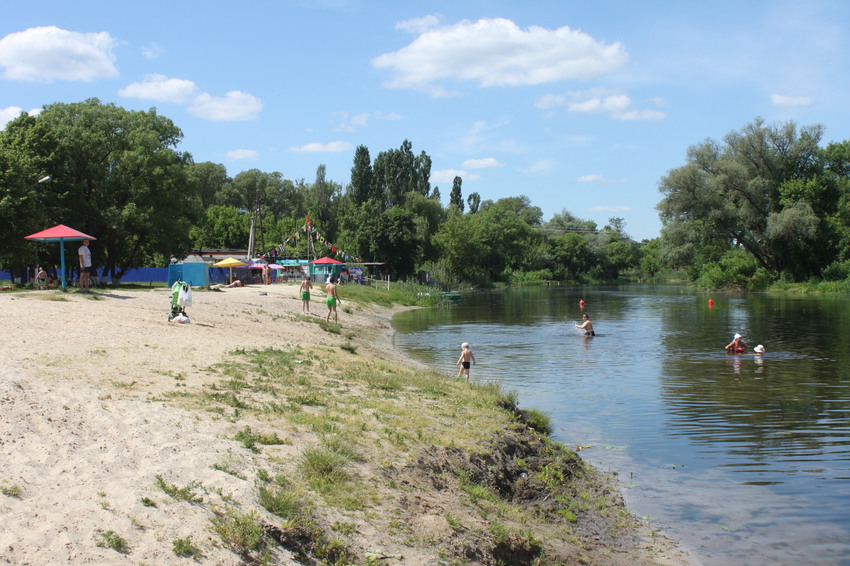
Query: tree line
[(768, 203), (121, 176)]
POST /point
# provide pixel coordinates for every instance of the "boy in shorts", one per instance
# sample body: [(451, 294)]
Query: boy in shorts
[(464, 360), (305, 294)]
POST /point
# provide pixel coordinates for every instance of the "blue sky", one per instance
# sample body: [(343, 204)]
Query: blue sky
[(581, 106)]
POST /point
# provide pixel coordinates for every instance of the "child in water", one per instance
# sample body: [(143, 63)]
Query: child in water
[(464, 360)]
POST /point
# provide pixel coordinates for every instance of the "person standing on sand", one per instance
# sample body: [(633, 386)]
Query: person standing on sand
[(41, 278), (464, 360), (332, 299), (84, 254), (305, 287)]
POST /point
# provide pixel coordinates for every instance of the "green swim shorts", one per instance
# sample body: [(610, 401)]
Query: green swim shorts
[(305, 295), (330, 301)]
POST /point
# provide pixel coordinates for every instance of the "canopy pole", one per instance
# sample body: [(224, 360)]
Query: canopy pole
[(62, 255)]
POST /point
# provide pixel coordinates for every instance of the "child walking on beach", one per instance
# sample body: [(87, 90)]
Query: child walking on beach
[(465, 358)]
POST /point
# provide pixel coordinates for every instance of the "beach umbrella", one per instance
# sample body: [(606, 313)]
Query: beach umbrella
[(60, 233), (231, 263)]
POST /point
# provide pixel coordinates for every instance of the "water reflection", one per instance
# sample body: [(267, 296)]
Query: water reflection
[(744, 457)]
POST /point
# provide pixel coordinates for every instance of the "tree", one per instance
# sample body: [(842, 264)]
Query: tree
[(731, 195), (571, 255), (397, 172), (123, 180), (28, 152), (360, 189), (213, 183), (474, 202), (456, 196)]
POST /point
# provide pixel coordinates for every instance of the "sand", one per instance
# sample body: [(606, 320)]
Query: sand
[(81, 439)]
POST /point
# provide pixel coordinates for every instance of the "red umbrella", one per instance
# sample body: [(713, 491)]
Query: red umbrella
[(59, 233)]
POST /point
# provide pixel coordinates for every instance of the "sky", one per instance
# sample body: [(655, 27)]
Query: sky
[(580, 106)]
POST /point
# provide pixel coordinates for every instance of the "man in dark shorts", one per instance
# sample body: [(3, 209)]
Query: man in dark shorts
[(85, 266), (587, 326)]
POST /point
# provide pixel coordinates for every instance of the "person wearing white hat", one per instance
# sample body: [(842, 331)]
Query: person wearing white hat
[(759, 350), (737, 346)]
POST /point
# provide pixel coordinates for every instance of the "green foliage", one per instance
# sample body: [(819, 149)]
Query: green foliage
[(737, 270), (112, 540), (242, 532), (187, 493), (770, 191), (184, 547), (250, 439)]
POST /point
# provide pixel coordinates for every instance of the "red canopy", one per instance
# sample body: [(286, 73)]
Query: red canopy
[(57, 233), (325, 259)]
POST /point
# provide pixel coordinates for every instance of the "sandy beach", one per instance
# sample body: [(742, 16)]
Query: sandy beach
[(92, 426)]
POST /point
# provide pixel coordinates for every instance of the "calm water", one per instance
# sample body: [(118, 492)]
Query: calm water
[(745, 460)]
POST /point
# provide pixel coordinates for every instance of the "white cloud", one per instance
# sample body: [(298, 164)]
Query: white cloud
[(791, 101), (11, 112), (418, 25), (161, 89), (484, 163), (315, 147), (619, 208), (235, 106), (496, 52), (152, 51), (542, 166), (351, 123), (50, 53), (593, 178), (615, 104), (447, 176), (242, 155)]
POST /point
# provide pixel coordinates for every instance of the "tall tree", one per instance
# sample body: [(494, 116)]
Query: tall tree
[(456, 196), (732, 193), (125, 181), (360, 189)]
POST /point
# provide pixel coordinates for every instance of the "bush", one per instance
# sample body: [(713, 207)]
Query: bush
[(836, 271)]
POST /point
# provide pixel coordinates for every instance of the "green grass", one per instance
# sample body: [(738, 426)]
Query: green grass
[(407, 294), (242, 532), (112, 540), (10, 489), (250, 439), (187, 493), (184, 547)]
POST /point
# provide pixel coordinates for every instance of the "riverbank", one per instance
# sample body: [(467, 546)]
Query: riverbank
[(259, 434)]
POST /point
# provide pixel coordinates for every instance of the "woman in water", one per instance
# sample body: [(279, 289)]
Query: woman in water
[(736, 346)]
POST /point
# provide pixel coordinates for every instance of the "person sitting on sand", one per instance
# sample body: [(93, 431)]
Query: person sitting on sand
[(587, 326), (736, 346), (236, 283)]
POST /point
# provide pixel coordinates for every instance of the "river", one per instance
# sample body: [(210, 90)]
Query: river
[(745, 459)]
